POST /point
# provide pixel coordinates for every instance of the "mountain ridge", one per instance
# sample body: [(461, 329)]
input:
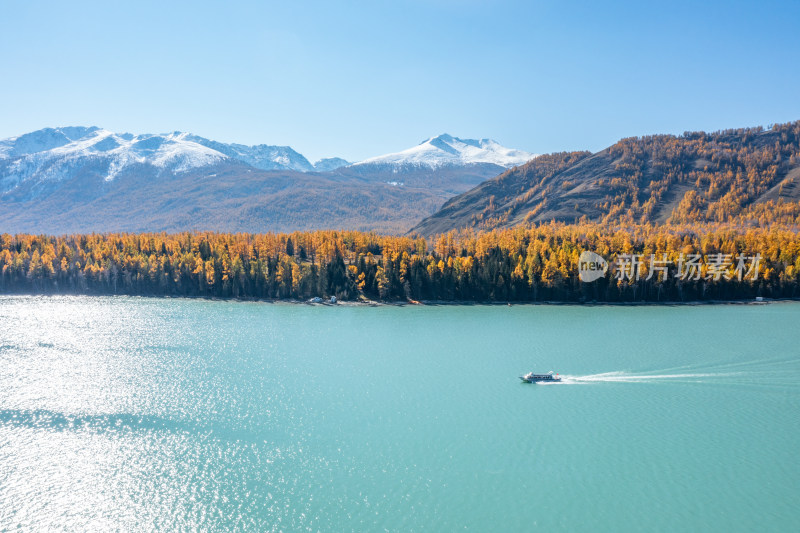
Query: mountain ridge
[(730, 175), (90, 179), (41, 152), (446, 150)]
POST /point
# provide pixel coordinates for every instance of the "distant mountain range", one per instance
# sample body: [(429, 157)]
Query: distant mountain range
[(54, 153), (748, 176), (71, 179), (442, 162), (446, 150), (76, 179)]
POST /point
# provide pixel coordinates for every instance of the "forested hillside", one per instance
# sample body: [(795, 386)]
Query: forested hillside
[(746, 176), (528, 265)]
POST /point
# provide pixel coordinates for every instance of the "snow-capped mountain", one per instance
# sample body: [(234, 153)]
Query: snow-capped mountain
[(45, 158), (446, 150), (260, 156), (54, 154), (330, 163), (78, 179)]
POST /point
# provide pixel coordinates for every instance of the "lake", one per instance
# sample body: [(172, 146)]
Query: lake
[(138, 414)]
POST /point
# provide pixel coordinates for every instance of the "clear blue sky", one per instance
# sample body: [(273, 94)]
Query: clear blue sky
[(365, 78)]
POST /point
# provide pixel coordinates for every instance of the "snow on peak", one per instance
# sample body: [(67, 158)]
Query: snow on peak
[(330, 163), (261, 156), (446, 150), (52, 149), (55, 154), (41, 140)]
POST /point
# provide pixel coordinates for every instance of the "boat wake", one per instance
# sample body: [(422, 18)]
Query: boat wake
[(630, 377)]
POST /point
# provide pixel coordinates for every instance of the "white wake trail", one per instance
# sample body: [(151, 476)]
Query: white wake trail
[(627, 377)]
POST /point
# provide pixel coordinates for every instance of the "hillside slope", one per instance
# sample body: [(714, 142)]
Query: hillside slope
[(747, 175), (225, 197)]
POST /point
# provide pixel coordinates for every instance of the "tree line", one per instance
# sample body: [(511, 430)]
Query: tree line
[(534, 264)]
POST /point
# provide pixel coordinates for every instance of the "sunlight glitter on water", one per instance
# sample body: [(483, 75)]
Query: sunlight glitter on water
[(142, 414)]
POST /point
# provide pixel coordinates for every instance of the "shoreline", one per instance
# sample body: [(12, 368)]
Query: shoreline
[(420, 303)]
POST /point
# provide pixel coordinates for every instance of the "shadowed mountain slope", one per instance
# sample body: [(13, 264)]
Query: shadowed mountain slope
[(221, 198)]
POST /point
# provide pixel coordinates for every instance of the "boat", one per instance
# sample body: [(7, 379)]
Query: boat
[(530, 377)]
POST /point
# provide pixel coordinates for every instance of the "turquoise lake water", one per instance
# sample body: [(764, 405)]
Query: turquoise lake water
[(142, 414)]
